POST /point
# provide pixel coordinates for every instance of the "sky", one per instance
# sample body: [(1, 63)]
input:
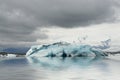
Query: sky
[(24, 23)]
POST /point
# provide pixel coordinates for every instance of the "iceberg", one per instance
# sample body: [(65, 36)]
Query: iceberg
[(65, 49)]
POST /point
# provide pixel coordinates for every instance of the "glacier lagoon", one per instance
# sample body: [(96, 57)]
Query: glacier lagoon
[(82, 62), (70, 68)]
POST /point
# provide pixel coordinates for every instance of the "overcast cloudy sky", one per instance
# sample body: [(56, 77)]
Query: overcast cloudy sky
[(30, 22)]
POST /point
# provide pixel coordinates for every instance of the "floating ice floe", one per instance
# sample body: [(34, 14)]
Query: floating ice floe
[(64, 49)]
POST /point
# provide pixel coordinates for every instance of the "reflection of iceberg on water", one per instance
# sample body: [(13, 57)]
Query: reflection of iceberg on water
[(64, 49), (61, 63)]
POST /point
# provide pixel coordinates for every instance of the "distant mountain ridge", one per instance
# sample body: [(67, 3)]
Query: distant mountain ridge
[(16, 50)]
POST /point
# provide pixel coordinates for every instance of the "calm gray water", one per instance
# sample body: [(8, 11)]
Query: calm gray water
[(86, 68)]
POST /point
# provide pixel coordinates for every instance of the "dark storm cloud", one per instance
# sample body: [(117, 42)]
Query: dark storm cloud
[(19, 18), (63, 13), (15, 25)]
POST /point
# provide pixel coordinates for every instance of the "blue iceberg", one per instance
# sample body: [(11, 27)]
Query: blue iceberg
[(64, 49)]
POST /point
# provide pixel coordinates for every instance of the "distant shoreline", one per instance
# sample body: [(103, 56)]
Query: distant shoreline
[(5, 54)]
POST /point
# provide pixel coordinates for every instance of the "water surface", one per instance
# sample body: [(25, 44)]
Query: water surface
[(81, 68)]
